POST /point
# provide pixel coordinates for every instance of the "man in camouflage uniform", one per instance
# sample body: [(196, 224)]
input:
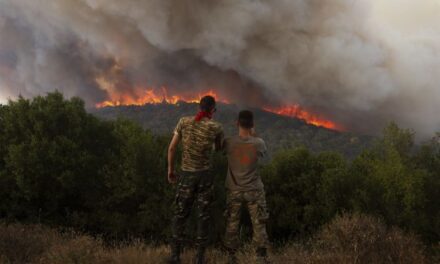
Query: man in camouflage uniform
[(198, 136), (245, 188)]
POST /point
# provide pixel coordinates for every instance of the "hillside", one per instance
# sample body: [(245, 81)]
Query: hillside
[(278, 131)]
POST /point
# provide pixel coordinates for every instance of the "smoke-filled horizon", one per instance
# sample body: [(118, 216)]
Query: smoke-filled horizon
[(359, 63)]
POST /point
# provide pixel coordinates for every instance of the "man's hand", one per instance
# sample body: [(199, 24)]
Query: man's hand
[(172, 177), (218, 144)]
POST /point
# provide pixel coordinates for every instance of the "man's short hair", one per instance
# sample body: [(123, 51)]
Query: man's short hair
[(207, 103), (246, 119)]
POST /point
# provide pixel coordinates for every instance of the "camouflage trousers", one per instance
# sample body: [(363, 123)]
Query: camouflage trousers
[(198, 188), (255, 203)]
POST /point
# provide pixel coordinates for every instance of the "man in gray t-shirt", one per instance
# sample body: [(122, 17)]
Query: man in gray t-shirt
[(244, 158), (245, 188)]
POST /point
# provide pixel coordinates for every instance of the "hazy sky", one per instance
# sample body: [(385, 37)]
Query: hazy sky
[(3, 95)]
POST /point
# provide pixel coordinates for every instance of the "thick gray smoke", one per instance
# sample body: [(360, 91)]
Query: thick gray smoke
[(360, 63)]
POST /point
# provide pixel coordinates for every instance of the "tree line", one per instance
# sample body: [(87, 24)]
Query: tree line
[(61, 166)]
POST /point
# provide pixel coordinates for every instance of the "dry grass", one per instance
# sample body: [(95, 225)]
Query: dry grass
[(348, 239), (364, 239)]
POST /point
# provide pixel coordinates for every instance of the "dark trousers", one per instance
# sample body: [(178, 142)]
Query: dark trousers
[(193, 187)]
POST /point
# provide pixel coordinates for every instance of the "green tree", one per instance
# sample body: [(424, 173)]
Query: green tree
[(138, 197), (428, 159), (389, 185), (52, 152), (303, 191)]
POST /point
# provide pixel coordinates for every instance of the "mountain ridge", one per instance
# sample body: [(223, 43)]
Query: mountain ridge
[(278, 131)]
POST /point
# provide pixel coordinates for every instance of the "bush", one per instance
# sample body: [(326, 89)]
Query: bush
[(75, 249), (364, 239), (23, 244), (62, 166), (391, 184), (394, 180), (305, 190)]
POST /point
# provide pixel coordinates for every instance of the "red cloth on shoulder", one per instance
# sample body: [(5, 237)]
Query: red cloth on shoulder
[(202, 114)]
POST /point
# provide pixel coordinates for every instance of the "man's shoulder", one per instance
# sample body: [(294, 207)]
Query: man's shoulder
[(211, 124), (215, 124), (259, 140), (185, 120), (232, 138)]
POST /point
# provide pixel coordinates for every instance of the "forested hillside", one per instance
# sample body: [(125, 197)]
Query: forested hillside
[(62, 166), (280, 132)]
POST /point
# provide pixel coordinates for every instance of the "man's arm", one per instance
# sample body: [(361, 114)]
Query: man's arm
[(262, 152), (263, 149), (172, 149), (219, 142)]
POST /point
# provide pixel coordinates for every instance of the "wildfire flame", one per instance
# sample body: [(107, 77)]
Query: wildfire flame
[(152, 96), (297, 111), (142, 95)]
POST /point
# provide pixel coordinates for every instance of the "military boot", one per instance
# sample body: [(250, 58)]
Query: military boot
[(175, 254), (232, 256), (262, 257), (200, 256)]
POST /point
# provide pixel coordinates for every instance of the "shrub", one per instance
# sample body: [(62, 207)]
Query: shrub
[(61, 165), (364, 239), (22, 244), (305, 190), (76, 249)]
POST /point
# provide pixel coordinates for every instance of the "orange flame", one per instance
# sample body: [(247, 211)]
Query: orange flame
[(297, 111), (152, 96)]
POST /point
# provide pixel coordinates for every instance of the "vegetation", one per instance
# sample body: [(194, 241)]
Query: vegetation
[(392, 180), (61, 166), (280, 132), (347, 239)]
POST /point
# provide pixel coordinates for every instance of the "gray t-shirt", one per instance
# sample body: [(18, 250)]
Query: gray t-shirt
[(244, 157)]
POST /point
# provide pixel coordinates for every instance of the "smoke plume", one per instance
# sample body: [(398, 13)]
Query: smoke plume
[(359, 63)]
